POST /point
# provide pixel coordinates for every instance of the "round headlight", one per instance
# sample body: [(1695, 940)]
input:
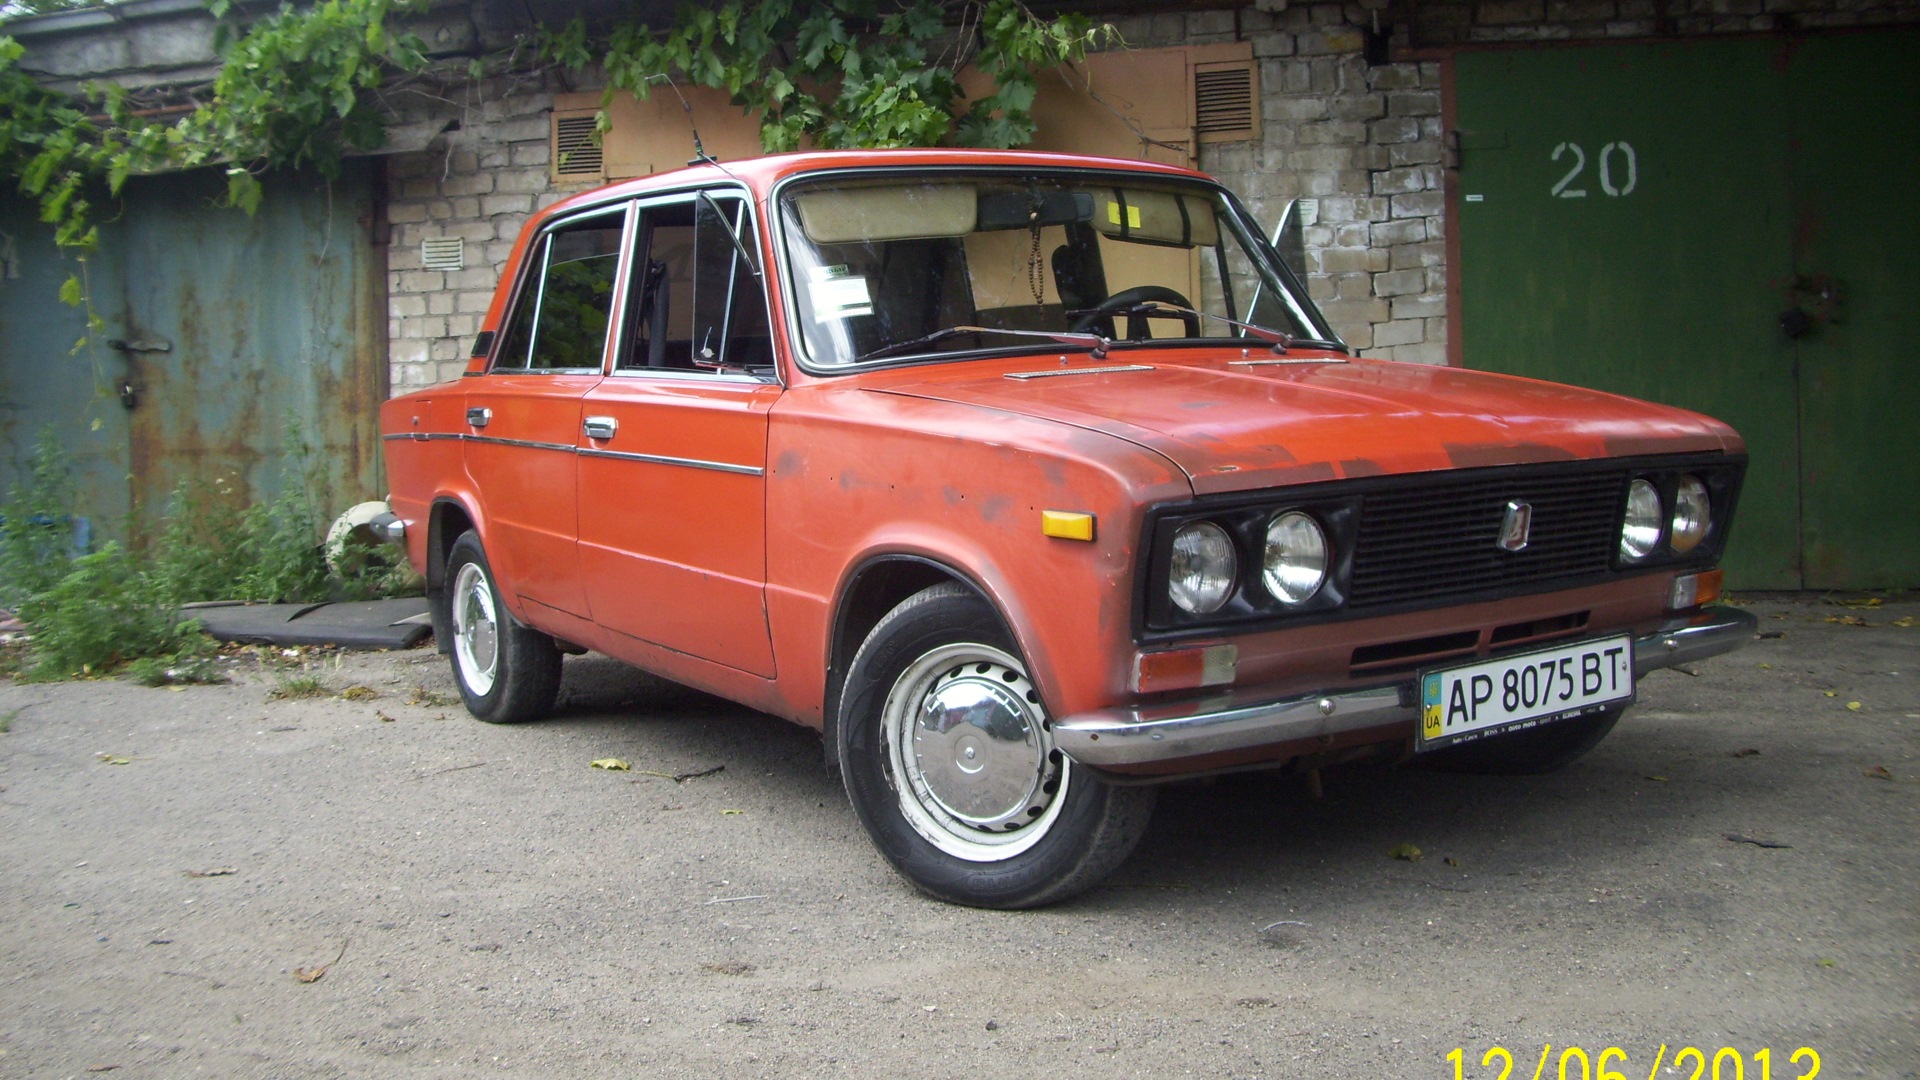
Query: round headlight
[(1640, 532), (1296, 559), (1692, 515), (1204, 568)]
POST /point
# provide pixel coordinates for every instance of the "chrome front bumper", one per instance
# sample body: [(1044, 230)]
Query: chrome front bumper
[(1148, 734)]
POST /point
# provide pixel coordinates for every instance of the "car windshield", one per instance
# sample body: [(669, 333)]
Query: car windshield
[(945, 263)]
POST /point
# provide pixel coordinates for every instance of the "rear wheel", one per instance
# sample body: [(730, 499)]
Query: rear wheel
[(947, 753), (506, 671), (1541, 749)]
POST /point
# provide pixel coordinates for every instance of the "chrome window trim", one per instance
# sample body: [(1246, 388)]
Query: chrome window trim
[(542, 242), (630, 251)]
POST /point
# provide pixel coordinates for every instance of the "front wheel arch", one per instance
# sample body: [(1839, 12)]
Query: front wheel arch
[(870, 592), (947, 754)]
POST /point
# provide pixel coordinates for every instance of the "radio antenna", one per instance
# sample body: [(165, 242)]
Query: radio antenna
[(700, 155)]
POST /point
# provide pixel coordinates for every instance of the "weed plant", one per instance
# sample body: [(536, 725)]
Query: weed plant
[(101, 614), (294, 687), (93, 613), (36, 526)]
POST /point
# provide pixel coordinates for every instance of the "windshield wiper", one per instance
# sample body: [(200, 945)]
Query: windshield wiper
[(1279, 340), (1064, 337)]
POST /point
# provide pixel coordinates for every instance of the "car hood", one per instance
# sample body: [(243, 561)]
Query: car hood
[(1240, 424)]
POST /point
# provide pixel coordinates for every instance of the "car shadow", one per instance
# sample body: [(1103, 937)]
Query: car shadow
[(1261, 830)]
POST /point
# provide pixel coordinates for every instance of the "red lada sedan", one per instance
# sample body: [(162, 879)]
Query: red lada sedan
[(1031, 481)]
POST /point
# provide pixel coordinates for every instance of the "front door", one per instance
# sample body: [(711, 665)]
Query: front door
[(672, 458)]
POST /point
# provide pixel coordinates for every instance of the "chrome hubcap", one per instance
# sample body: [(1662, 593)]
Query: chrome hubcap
[(476, 631), (972, 753)]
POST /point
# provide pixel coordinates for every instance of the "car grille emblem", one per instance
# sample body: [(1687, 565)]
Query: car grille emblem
[(1517, 527)]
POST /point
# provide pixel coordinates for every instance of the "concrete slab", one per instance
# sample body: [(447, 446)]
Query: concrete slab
[(365, 624)]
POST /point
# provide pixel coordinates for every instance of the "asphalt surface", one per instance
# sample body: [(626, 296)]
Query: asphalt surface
[(212, 881)]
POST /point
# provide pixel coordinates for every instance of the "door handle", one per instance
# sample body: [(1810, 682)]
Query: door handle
[(478, 416), (601, 427)]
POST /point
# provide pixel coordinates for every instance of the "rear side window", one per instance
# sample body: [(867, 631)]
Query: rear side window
[(560, 320)]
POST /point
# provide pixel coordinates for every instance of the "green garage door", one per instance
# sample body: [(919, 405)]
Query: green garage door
[(1728, 226)]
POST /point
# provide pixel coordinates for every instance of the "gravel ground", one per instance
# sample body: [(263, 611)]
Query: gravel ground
[(177, 866)]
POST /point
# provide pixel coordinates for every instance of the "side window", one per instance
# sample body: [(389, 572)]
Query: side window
[(697, 304), (560, 319)]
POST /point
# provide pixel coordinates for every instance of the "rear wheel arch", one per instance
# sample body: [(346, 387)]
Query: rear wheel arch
[(447, 521)]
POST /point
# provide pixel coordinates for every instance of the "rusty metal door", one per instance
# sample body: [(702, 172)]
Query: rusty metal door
[(1720, 225), (48, 384), (241, 338)]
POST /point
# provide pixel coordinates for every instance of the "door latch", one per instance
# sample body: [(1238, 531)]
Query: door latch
[(479, 416), (601, 427)]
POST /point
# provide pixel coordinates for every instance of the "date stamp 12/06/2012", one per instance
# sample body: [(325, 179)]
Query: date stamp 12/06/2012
[(1612, 1063)]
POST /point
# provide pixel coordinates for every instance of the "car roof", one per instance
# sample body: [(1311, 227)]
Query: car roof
[(762, 174)]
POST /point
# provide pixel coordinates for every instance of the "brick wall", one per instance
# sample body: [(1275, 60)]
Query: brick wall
[(1362, 142), (478, 182)]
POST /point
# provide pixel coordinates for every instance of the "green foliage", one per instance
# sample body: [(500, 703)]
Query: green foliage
[(294, 687), (36, 526), (296, 89), (301, 88), (842, 72), (371, 571), (14, 9), (193, 665), (280, 549), (103, 613), (93, 613)]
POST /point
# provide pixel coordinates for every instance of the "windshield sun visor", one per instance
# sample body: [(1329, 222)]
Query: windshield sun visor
[(895, 212), (1155, 217)]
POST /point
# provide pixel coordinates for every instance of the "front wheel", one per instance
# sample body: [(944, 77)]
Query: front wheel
[(948, 757), (506, 671)]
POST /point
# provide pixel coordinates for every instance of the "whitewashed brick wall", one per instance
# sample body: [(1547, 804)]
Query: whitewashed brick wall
[(480, 183), (1364, 142)]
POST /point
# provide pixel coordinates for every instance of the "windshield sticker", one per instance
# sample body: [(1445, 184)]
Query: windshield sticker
[(839, 295)]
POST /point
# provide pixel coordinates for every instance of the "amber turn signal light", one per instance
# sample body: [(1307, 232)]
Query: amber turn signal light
[(1695, 590), (1185, 669)]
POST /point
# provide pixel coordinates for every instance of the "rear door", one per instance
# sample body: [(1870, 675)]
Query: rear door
[(522, 418)]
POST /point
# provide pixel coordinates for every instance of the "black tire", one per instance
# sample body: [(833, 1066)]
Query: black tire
[(1537, 750), (1035, 830), (506, 671)]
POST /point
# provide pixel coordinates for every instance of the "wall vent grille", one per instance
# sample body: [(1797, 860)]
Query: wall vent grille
[(443, 253), (576, 150), (1226, 103)]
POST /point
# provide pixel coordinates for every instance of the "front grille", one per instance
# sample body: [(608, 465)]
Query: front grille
[(1438, 541)]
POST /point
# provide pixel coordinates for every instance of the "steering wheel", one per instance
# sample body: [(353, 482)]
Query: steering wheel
[(1136, 324)]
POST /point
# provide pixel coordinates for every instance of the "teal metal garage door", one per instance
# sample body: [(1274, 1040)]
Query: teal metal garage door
[(219, 332), (1725, 225)]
